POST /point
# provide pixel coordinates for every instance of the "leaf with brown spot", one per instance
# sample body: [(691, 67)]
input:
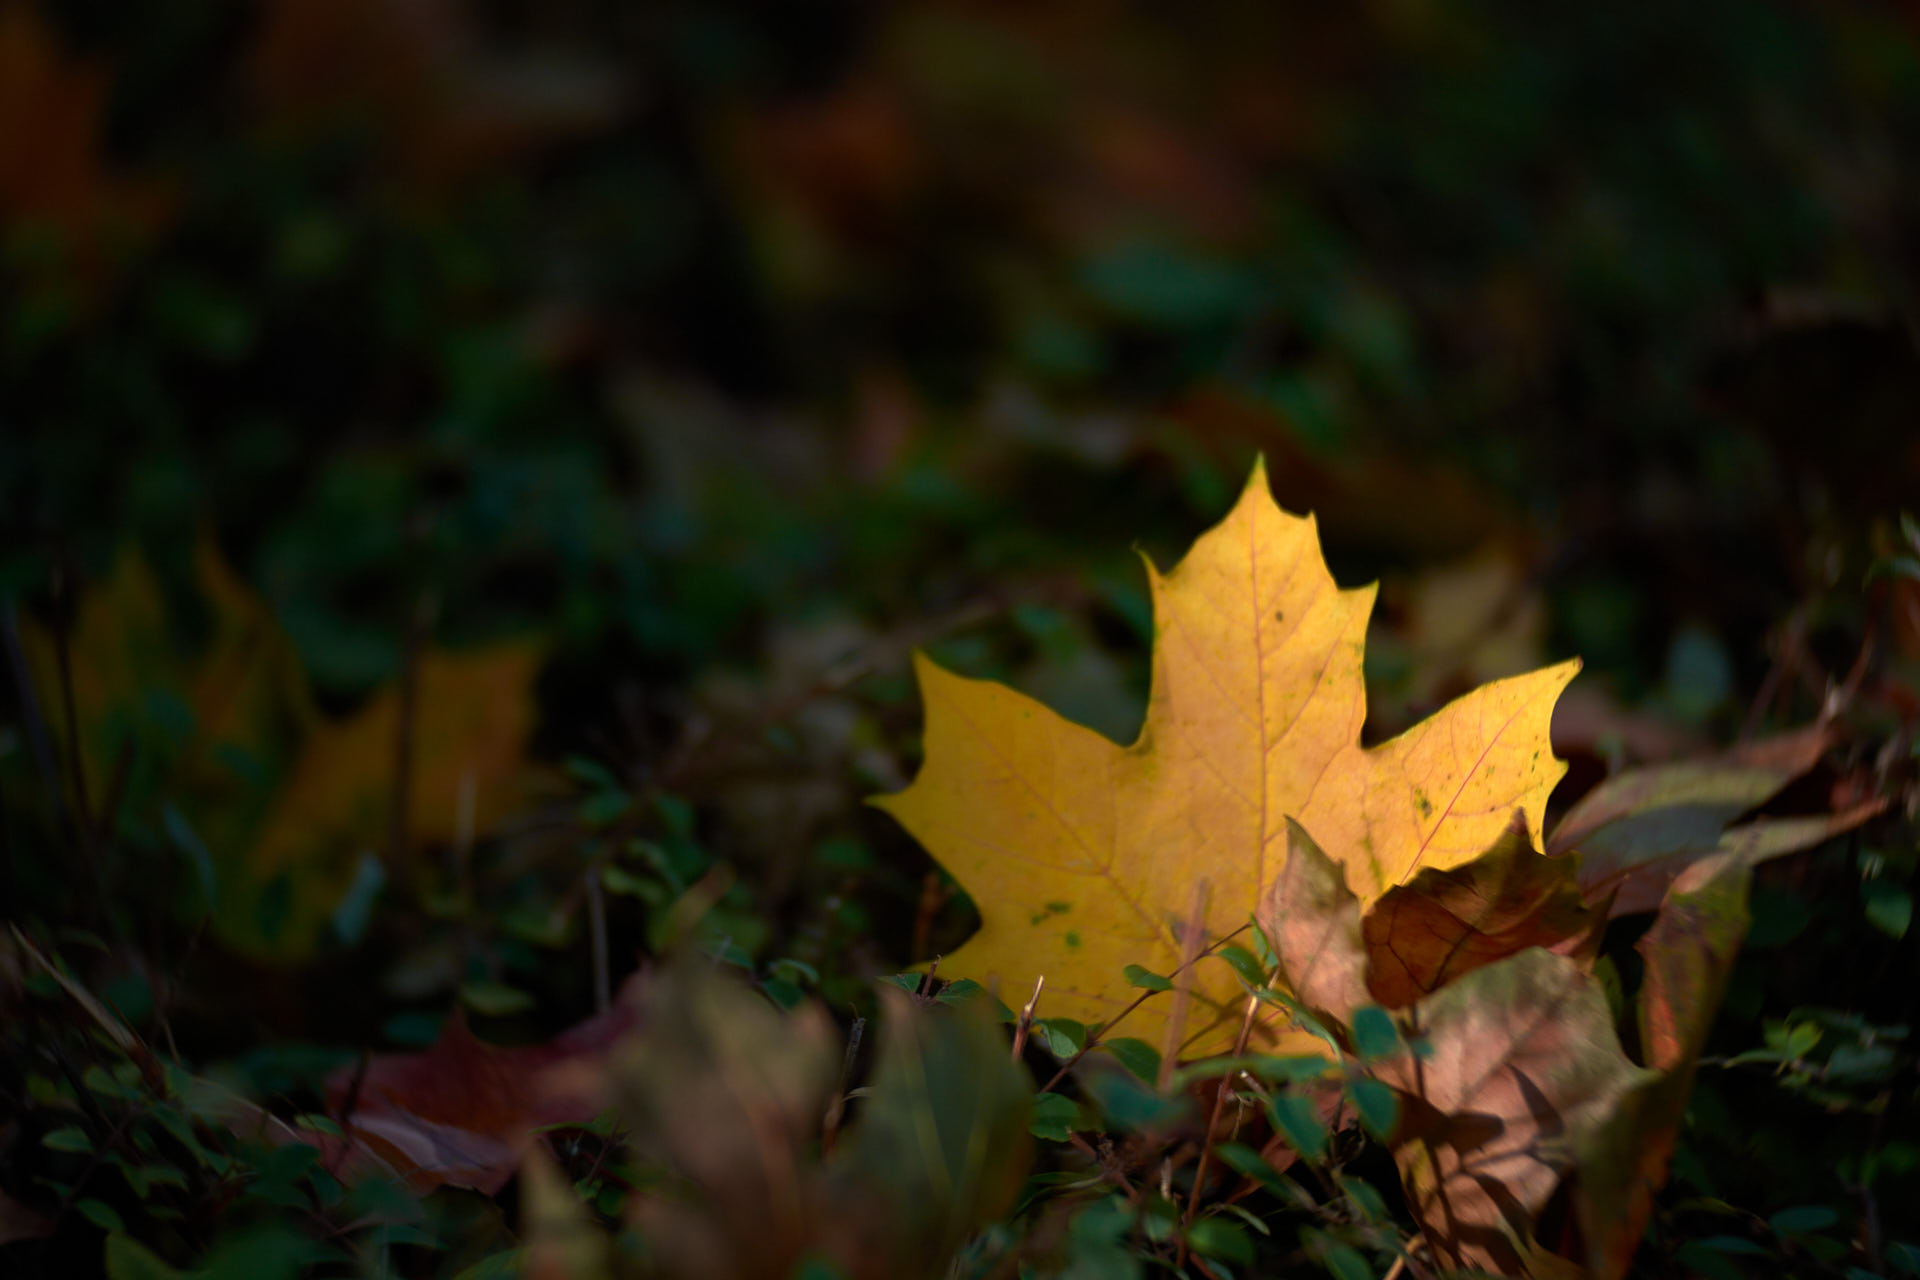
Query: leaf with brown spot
[(1444, 924)]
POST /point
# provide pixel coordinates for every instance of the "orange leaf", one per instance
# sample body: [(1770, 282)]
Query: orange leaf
[(1081, 854)]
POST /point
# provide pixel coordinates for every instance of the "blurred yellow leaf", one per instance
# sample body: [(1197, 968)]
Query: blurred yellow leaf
[(285, 799)]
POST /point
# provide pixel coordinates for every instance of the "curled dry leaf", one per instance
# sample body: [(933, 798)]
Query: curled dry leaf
[(1444, 924), (1081, 854), (1638, 830), (1689, 954), (1525, 1087)]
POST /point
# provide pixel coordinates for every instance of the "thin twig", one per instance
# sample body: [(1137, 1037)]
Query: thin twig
[(1025, 1025), (1094, 1038), (1213, 1117), (1193, 935)]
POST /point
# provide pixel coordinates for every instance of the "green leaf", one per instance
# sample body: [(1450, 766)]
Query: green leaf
[(798, 971), (100, 1214), (1247, 1162), (955, 992), (1063, 1037), (1733, 1244), (1243, 964), (1299, 1121), (1889, 907), (1803, 1218), (67, 1138), (1378, 1105), (1054, 1117), (1288, 1070), (907, 982), (1217, 1238), (1136, 1056), (313, 1122), (1374, 1035), (603, 807), (1340, 1259), (1131, 1105), (1146, 978)]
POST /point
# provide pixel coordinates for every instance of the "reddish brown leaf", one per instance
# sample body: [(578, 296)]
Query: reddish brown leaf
[(460, 1113), (1444, 924), (1525, 1073)]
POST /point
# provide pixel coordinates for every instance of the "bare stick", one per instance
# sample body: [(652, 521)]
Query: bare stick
[(1193, 936)]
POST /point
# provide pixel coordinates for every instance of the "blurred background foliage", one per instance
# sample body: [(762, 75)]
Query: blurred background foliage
[(589, 405)]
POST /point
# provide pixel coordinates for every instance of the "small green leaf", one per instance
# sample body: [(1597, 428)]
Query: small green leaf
[(1218, 1238), (798, 971), (1063, 1037), (1136, 1056), (1243, 964), (1146, 978), (1054, 1117), (67, 1138), (1374, 1035), (907, 982), (314, 1122), (602, 807), (783, 993), (1733, 1244), (100, 1214), (1803, 1218), (617, 879), (1298, 1119), (1341, 1260), (1889, 907), (1247, 1162), (1377, 1104), (955, 992)]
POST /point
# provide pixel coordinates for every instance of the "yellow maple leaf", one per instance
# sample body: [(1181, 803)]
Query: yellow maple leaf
[(1085, 856)]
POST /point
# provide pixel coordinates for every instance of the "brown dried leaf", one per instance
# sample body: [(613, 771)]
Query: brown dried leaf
[(1313, 921), (1525, 1074), (1637, 831), (1444, 924)]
